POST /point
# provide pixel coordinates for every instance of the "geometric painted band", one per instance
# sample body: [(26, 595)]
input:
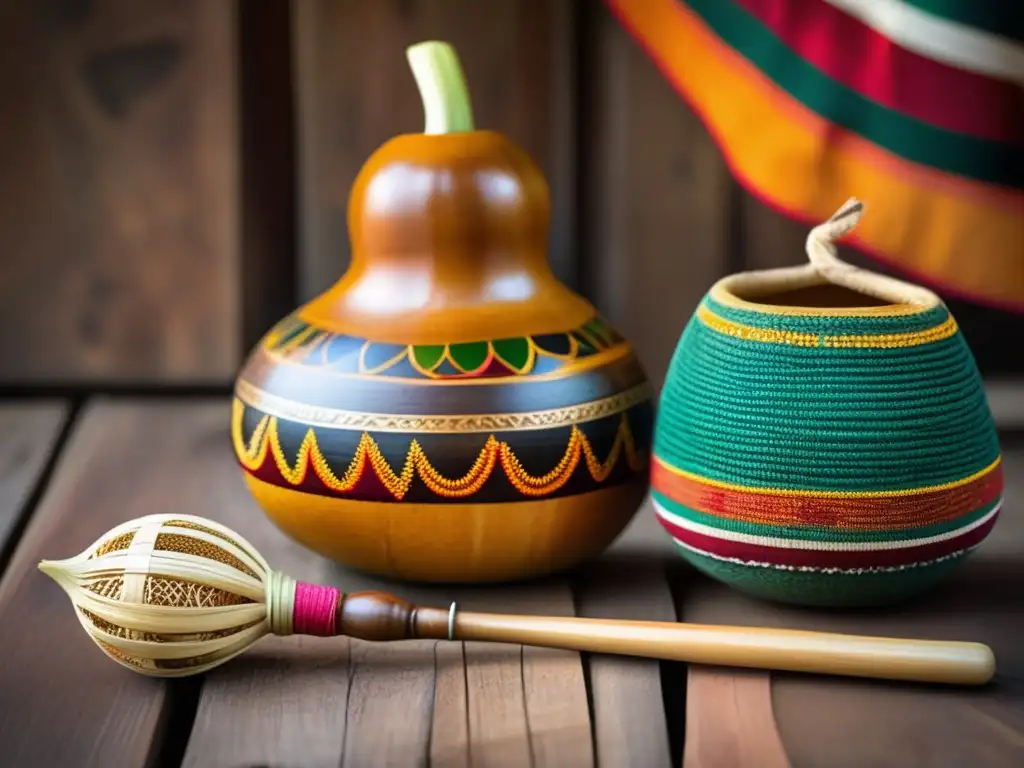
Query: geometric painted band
[(473, 468), (336, 418), (552, 355), (842, 557), (837, 511)]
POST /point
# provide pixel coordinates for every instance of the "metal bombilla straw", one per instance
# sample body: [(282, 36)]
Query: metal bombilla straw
[(175, 595)]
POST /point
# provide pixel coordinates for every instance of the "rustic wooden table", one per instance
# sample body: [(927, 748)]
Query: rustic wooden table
[(67, 476)]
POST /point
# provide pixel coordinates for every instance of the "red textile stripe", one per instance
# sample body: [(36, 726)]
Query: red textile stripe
[(860, 58), (817, 558), (857, 513)]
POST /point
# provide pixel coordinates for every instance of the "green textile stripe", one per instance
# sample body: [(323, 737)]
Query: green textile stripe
[(815, 418), (820, 533), (834, 325), (1004, 18), (822, 588), (986, 161)]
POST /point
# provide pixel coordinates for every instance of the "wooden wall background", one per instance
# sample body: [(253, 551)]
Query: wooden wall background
[(174, 173)]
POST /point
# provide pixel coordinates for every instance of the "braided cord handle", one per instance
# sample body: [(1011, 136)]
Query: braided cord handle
[(824, 258)]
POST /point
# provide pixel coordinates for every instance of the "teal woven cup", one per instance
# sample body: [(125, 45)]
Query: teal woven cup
[(823, 436)]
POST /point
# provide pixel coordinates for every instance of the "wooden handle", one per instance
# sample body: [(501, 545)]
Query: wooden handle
[(379, 616), (932, 661)]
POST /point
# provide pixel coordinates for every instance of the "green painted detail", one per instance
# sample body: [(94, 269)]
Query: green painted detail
[(814, 418), (820, 589), (297, 327), (471, 355), (598, 331), (340, 352), (820, 533), (428, 355), (514, 352)]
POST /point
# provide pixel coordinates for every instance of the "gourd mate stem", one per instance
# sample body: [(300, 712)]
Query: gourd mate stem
[(442, 86)]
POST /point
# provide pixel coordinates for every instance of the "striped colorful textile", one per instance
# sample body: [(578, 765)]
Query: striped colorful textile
[(914, 106), (824, 457)]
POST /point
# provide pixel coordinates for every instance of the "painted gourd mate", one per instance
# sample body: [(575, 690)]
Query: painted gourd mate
[(448, 410)]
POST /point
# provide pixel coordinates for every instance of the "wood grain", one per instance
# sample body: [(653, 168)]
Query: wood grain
[(630, 582), (118, 202), (28, 436), (729, 720), (656, 197), (524, 705), (62, 702), (517, 59)]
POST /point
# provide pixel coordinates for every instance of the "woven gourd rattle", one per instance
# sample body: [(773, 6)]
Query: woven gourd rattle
[(175, 595)]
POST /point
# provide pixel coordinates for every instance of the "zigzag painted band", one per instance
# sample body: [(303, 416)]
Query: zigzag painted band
[(844, 556), (364, 472), (336, 418), (846, 341)]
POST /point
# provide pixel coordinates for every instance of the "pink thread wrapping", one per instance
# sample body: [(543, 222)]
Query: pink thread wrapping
[(314, 609)]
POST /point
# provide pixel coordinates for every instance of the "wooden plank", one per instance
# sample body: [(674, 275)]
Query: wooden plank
[(656, 197), (729, 715), (449, 735), (517, 59), (62, 702), (729, 720), (267, 150), (522, 705), (629, 582), (118, 198), (30, 433)]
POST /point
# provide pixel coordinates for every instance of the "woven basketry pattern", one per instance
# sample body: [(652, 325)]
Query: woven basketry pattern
[(825, 458)]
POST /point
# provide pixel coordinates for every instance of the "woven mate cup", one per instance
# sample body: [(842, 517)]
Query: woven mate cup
[(824, 438)]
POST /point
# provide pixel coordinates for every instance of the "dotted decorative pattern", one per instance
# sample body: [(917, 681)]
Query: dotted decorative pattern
[(796, 338)]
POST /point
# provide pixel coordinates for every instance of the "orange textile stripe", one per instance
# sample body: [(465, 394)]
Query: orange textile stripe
[(947, 230), (853, 513)]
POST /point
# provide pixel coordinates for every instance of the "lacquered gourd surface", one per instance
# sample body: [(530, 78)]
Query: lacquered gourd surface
[(448, 410)]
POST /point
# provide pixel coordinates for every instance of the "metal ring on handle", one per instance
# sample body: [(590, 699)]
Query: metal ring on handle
[(451, 622)]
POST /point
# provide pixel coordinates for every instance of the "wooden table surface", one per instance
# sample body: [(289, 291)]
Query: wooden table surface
[(67, 475)]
